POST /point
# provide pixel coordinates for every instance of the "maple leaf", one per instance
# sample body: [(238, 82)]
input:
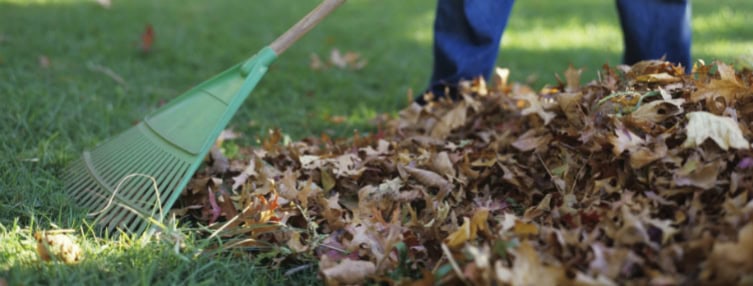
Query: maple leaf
[(534, 106), (250, 171), (698, 174), (726, 87)]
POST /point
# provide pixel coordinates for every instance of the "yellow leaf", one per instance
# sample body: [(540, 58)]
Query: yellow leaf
[(724, 131), (55, 245), (523, 229), (469, 230), (327, 181), (295, 244), (478, 221)]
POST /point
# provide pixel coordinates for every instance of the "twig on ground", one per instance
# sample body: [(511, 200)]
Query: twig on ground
[(108, 72)]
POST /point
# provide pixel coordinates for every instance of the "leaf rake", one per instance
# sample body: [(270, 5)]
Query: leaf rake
[(145, 168)]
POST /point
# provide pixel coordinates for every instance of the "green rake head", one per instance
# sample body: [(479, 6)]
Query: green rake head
[(137, 175), (144, 169)]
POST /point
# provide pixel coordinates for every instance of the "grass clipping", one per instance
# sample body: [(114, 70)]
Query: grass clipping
[(644, 176)]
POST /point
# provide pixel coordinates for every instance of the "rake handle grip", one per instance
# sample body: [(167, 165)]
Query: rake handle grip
[(287, 39)]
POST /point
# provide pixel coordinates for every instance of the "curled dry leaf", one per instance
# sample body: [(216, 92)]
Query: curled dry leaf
[(660, 78), (441, 163), (348, 272), (570, 105), (428, 178), (532, 140), (658, 111)]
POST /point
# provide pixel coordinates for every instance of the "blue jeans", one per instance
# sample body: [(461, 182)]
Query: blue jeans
[(467, 35)]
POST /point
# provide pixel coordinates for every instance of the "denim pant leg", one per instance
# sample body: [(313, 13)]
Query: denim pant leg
[(467, 34), (655, 28)]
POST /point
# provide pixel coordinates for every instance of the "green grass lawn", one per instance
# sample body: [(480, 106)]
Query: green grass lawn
[(48, 114)]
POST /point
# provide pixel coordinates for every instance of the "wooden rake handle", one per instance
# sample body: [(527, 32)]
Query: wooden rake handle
[(287, 39)]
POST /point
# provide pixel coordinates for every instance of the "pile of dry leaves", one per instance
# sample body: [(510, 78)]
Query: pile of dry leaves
[(644, 176)]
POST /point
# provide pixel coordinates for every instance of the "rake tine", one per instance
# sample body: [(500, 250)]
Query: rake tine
[(118, 171), (175, 171), (134, 190), (125, 194)]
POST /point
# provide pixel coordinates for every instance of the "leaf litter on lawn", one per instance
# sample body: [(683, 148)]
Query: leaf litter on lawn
[(644, 176)]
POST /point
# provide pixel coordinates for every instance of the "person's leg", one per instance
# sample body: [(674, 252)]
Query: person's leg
[(656, 28), (467, 34)]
